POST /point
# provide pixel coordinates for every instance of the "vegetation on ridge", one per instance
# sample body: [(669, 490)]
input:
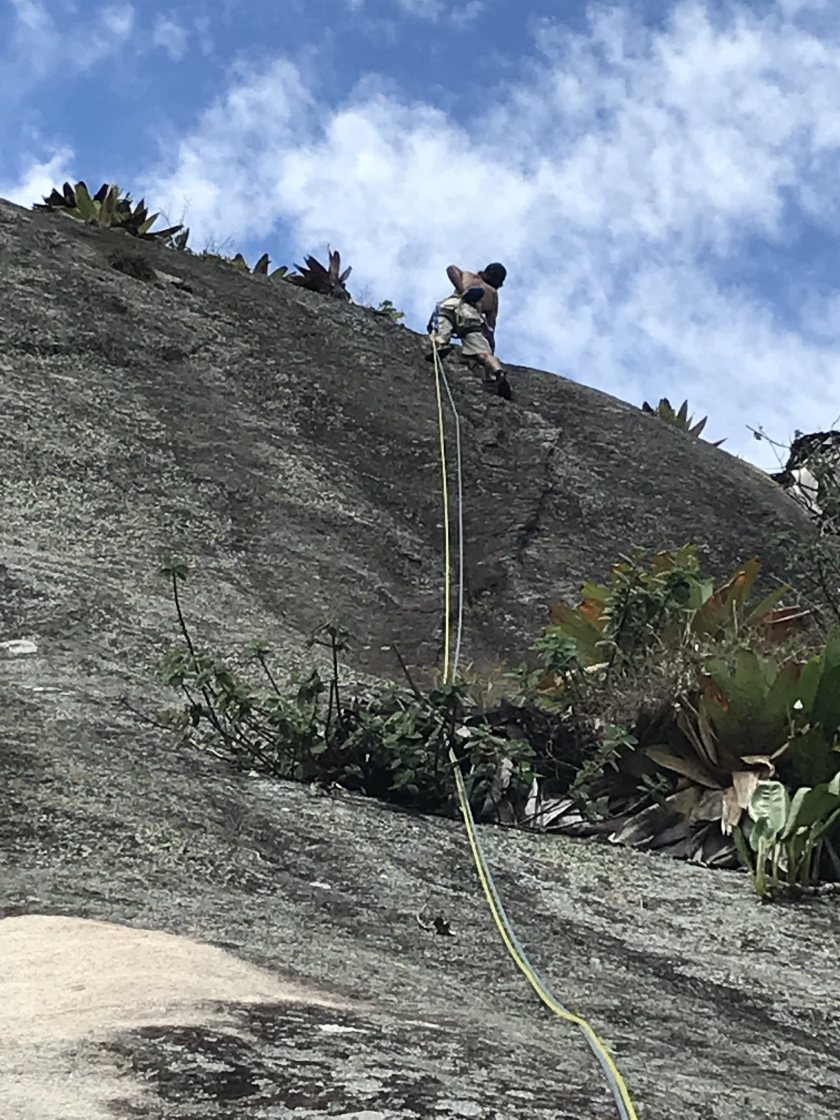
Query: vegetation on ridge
[(111, 208), (681, 419), (108, 208)]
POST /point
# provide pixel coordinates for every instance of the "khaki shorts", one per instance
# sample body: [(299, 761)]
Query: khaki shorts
[(467, 323)]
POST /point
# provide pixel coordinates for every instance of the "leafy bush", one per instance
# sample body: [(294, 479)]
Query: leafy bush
[(647, 608), (815, 564), (679, 773), (387, 310), (388, 743), (811, 477), (700, 696), (785, 833)]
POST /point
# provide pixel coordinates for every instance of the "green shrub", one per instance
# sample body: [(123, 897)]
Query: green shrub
[(815, 566), (387, 310), (388, 742), (700, 694), (646, 607)]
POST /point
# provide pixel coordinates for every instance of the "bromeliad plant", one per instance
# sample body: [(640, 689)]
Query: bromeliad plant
[(679, 419), (111, 208), (812, 755), (674, 659), (729, 734), (328, 281), (750, 724), (108, 208), (241, 265)]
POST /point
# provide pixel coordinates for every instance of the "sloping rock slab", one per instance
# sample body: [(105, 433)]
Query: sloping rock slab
[(288, 444), (714, 1005)]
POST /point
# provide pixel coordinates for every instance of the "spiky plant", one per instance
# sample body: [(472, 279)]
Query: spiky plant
[(679, 419), (109, 207), (328, 281), (260, 268), (241, 265)]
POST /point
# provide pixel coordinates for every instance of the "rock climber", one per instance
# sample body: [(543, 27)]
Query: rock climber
[(470, 314)]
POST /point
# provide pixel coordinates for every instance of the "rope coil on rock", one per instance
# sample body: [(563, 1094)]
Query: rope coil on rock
[(619, 1089)]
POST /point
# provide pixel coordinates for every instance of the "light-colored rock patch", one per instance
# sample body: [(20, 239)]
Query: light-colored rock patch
[(69, 983)]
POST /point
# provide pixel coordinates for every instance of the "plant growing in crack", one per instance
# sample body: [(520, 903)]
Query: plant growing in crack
[(386, 742)]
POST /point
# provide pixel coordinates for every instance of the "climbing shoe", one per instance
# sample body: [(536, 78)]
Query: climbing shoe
[(443, 352), (443, 348), (495, 381)]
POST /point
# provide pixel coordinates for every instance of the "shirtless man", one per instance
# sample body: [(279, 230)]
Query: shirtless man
[(470, 314)]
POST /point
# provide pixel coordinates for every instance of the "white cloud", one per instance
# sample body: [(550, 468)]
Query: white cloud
[(226, 175), (32, 15), (427, 9), (457, 12), (38, 49), (118, 19), (170, 35), (618, 180), (38, 179), (83, 48), (465, 13), (39, 46)]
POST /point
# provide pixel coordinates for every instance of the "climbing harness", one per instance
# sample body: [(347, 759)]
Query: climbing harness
[(619, 1089)]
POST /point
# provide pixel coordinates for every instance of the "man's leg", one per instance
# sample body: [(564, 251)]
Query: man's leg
[(477, 348)]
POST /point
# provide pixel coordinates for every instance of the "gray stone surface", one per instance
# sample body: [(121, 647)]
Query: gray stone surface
[(288, 446)]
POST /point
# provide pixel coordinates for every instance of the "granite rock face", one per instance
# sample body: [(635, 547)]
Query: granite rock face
[(287, 445)]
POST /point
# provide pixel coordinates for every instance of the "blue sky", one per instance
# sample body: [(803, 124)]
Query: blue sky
[(660, 177)]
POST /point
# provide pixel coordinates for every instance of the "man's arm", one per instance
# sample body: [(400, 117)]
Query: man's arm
[(456, 276)]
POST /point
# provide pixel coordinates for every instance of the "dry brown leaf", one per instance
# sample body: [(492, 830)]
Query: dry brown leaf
[(780, 623), (763, 762), (708, 736), (690, 767), (685, 800), (689, 728), (744, 783), (697, 803), (708, 806), (732, 811)]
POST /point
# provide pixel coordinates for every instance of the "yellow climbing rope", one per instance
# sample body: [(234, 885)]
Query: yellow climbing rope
[(447, 555), (616, 1081)]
